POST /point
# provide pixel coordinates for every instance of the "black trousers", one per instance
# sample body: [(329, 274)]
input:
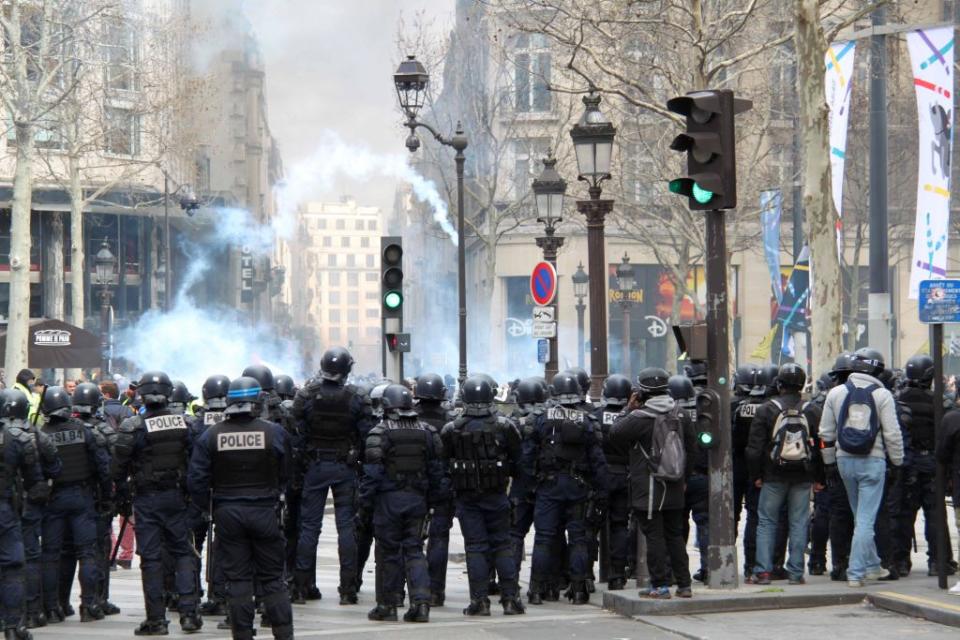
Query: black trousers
[(666, 547)]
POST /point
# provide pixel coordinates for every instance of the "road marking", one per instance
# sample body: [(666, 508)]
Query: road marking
[(918, 600)]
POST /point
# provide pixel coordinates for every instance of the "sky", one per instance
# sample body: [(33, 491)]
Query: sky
[(329, 66)]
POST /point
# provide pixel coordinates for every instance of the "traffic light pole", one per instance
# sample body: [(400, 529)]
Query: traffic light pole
[(722, 550)]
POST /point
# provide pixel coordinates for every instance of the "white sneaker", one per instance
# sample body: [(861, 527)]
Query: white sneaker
[(955, 589), (855, 584), (879, 574)]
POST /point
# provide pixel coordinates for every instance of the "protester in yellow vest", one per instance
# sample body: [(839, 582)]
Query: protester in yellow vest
[(24, 384)]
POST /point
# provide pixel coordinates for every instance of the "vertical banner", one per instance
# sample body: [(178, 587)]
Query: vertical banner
[(771, 207), (792, 313), (838, 84), (931, 56)]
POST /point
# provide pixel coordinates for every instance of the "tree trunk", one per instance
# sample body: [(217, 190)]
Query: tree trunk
[(826, 286), (53, 265), (78, 310), (18, 327)]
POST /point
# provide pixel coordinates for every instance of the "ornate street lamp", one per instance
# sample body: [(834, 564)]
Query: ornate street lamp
[(580, 282), (105, 264), (625, 283), (548, 189)]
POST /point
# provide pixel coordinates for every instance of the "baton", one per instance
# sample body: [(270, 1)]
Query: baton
[(116, 547), (209, 548)]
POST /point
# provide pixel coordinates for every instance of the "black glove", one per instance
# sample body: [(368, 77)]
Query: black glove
[(363, 520), (832, 474), (39, 493)]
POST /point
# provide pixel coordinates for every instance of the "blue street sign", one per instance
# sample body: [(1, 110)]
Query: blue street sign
[(543, 350), (939, 301)]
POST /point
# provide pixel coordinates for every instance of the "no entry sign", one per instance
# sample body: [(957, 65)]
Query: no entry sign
[(543, 283)]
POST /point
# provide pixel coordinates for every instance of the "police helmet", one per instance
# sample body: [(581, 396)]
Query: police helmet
[(696, 370), (15, 405), (244, 396), (286, 388), (489, 379), (477, 395), (397, 401), (653, 381), (566, 388), (56, 402), (335, 364), (680, 387), (180, 395), (791, 376), (868, 361), (764, 380), (843, 363), (583, 379), (616, 390), (430, 387), (262, 374), (87, 397), (547, 389), (919, 371), (215, 390), (376, 397), (155, 387), (826, 382), (743, 378), (531, 391), (888, 378)]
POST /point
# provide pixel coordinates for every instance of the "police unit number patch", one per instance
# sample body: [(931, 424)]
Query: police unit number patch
[(211, 418), (247, 440), (64, 438), (164, 423)]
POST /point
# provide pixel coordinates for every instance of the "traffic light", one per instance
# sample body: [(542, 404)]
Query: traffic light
[(708, 417), (710, 144), (391, 276), (398, 342)]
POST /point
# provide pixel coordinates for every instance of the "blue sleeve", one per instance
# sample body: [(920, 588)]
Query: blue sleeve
[(198, 473)]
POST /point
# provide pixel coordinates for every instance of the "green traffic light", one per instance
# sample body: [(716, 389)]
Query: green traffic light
[(392, 299), (676, 186), (701, 195), (705, 438)]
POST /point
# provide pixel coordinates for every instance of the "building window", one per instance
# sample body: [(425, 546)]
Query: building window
[(528, 156), (328, 241), (532, 73), (331, 260), (371, 276), (639, 174), (353, 279), (121, 131), (333, 315), (341, 224), (353, 315), (358, 225), (333, 297), (372, 313), (334, 333), (345, 241), (353, 333), (121, 55), (783, 84), (365, 242), (371, 225), (370, 295), (351, 260), (371, 260), (353, 297), (333, 278)]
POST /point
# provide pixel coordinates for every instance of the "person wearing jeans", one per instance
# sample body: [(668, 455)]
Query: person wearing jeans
[(863, 475), (782, 481)]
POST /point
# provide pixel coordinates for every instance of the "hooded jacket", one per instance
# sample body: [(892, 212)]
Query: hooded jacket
[(889, 442)]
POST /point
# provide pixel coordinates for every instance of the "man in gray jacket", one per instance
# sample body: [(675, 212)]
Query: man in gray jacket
[(861, 439)]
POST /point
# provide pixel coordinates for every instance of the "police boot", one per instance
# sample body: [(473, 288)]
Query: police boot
[(191, 623), (226, 624), (512, 607), (55, 615), (109, 609), (437, 598), (417, 613), (152, 628), (313, 593), (477, 608), (534, 595), (383, 613), (298, 594), (839, 572), (17, 633), (616, 584), (35, 619), (577, 594), (903, 568), (91, 613), (213, 607), (551, 592), (67, 610), (347, 596)]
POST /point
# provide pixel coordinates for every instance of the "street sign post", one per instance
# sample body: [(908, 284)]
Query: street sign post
[(939, 303), (543, 350), (543, 283)]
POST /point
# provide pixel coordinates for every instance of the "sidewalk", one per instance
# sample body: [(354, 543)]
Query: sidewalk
[(916, 596)]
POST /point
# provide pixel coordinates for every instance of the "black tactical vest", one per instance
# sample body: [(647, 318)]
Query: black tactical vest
[(743, 413), (478, 458), (564, 443), (330, 424), (210, 417), (406, 455), (7, 480), (70, 439), (920, 403), (434, 415), (243, 459), (165, 458), (617, 459)]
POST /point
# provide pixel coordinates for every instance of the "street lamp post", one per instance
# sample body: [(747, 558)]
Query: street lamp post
[(580, 282), (593, 143), (411, 80), (625, 282), (105, 264), (548, 189)]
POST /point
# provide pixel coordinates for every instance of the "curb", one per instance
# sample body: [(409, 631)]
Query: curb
[(917, 607), (631, 607)]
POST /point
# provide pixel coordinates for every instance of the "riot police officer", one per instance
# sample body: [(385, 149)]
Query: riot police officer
[(73, 503), (616, 394), (531, 398), (286, 388), (244, 462), (330, 415), (483, 450), (430, 393), (87, 401), (915, 414), (743, 407), (271, 400), (179, 399), (402, 477), (14, 416), (152, 454), (18, 463), (566, 454)]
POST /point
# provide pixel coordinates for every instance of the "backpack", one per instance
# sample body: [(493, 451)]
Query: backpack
[(667, 458), (791, 449), (858, 423)]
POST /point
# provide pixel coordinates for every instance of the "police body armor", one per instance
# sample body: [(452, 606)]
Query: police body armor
[(330, 427), (165, 459), (618, 460), (7, 479), (743, 414), (435, 416), (564, 448), (210, 417), (407, 461), (478, 460), (920, 403), (242, 459), (71, 442)]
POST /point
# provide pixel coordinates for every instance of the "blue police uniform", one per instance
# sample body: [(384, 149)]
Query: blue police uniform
[(441, 520), (618, 485), (523, 490)]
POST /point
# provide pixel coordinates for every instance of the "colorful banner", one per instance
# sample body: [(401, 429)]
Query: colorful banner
[(931, 56), (771, 207), (792, 313), (838, 84)]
